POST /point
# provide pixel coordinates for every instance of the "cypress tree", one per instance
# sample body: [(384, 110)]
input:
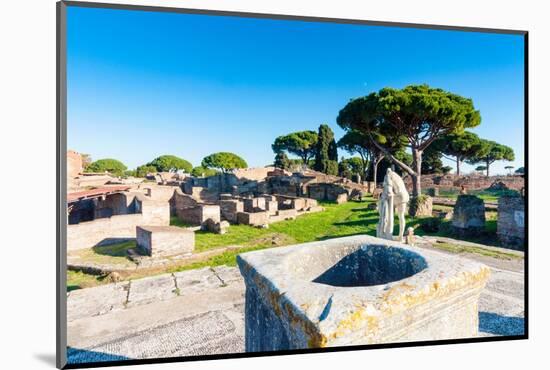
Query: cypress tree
[(326, 153)]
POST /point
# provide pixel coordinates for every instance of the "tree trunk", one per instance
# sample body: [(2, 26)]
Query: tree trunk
[(458, 166), (375, 168), (375, 173), (487, 168), (417, 166)]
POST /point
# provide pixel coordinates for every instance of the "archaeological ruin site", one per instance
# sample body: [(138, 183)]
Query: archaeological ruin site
[(137, 238), (239, 186)]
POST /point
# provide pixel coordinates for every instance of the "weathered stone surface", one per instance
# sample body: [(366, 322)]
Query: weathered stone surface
[(501, 312), (421, 206), (357, 290), (228, 275), (356, 194), (511, 221), (254, 219), (117, 228), (469, 215), (158, 241), (150, 289), (216, 227), (96, 301), (194, 281), (230, 207)]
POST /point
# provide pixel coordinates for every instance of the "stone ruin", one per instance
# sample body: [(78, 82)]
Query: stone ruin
[(158, 241), (469, 215), (469, 182), (357, 290), (511, 220)]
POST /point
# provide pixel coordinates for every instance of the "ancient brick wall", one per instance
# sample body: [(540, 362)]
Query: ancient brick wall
[(117, 228), (511, 221), (229, 209), (471, 182), (74, 164), (187, 209)]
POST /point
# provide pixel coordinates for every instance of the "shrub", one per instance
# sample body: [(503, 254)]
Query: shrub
[(224, 161), (168, 162), (113, 166), (203, 171), (142, 171)]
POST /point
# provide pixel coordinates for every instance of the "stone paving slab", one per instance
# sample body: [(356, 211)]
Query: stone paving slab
[(194, 281), (228, 274), (208, 315), (150, 289), (96, 301)]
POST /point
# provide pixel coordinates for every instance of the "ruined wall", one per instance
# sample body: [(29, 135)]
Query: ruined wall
[(74, 164), (329, 192), (117, 228), (189, 210), (259, 173), (158, 192), (114, 204), (229, 209), (470, 182), (511, 221)]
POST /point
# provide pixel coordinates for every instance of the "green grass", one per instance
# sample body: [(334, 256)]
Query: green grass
[(228, 258), (455, 248), (79, 280), (351, 218), (487, 237), (488, 195), (107, 254), (175, 221)]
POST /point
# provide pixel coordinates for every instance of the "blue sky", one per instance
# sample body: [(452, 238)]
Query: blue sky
[(142, 84)]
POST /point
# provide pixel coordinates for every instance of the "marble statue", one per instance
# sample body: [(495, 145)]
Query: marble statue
[(394, 197)]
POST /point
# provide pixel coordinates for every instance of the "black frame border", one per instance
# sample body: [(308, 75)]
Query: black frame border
[(61, 189)]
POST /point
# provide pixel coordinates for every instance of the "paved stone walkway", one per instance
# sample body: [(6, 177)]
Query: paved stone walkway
[(201, 312)]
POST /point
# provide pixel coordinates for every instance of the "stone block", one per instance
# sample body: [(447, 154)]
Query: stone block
[(194, 281), (421, 206), (151, 289), (355, 291), (272, 206), (287, 214), (158, 241), (298, 203), (216, 227), (230, 208), (310, 203), (96, 301), (469, 215), (253, 218), (254, 204), (511, 221), (341, 198)]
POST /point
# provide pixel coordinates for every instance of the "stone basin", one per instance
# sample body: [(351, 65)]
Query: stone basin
[(357, 290)]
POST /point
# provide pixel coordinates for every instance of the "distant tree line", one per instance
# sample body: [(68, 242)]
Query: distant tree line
[(210, 165), (410, 129)]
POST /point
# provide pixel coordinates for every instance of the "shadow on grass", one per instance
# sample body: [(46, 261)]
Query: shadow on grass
[(366, 222), (114, 247), (493, 323)]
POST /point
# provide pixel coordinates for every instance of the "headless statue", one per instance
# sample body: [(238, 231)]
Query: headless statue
[(394, 197)]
